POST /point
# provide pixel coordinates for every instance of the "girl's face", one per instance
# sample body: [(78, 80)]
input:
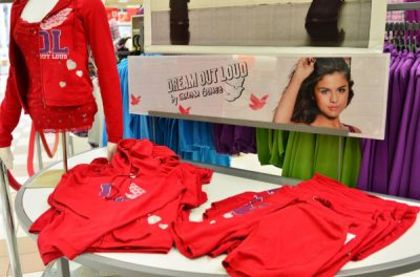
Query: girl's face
[(332, 94)]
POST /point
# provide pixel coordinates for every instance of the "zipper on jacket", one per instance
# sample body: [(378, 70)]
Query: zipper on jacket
[(41, 71), (42, 90)]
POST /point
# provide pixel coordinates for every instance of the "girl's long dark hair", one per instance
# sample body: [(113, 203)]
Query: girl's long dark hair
[(305, 109)]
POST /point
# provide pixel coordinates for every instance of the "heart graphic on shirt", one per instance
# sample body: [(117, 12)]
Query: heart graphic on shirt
[(71, 65), (228, 215), (163, 226), (213, 222), (62, 84), (56, 20), (153, 219), (79, 73)]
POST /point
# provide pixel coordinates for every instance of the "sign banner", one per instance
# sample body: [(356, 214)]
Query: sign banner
[(345, 93), (243, 27)]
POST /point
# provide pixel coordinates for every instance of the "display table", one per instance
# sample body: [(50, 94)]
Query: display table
[(31, 201)]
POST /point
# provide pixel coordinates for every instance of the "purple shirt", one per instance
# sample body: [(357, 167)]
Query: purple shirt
[(407, 73), (414, 181), (374, 165), (230, 139)]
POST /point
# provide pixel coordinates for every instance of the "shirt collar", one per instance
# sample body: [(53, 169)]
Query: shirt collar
[(58, 6)]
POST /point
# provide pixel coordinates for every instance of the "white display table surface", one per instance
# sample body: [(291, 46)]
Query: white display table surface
[(401, 256)]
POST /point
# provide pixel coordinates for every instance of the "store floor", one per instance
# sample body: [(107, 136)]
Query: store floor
[(28, 251), (30, 260)]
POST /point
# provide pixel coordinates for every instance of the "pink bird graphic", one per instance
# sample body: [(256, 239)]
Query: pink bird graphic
[(258, 103), (183, 110), (135, 100)]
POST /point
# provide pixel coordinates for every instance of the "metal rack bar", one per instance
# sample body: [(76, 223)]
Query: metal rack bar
[(63, 268), (258, 124), (39, 151), (65, 148), (404, 6), (8, 223)]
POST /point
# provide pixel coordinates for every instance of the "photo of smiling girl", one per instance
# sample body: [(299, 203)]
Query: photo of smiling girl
[(319, 90)]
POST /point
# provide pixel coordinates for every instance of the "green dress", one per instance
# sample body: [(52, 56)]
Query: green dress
[(300, 155)]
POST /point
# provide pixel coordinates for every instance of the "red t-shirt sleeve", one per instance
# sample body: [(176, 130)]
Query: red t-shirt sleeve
[(220, 207), (194, 178), (43, 221), (10, 110)]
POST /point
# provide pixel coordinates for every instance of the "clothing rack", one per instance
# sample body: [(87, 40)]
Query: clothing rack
[(411, 6)]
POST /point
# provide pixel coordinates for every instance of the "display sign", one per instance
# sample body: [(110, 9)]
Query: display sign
[(121, 15), (345, 93), (238, 26)]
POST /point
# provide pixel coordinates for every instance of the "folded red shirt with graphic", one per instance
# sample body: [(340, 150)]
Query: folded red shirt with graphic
[(123, 206)]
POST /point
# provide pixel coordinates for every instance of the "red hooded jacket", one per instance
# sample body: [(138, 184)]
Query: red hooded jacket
[(85, 24)]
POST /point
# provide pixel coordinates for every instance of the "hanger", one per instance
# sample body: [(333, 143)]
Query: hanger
[(410, 34), (416, 29), (122, 50), (396, 36), (137, 46), (388, 31)]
